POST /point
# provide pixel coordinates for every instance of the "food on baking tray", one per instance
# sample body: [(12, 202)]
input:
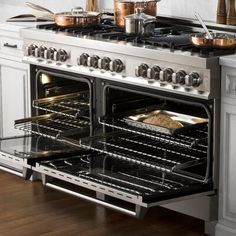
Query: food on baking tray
[(163, 120)]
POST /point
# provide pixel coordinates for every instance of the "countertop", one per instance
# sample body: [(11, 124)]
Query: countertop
[(229, 61), (16, 26), (6, 12)]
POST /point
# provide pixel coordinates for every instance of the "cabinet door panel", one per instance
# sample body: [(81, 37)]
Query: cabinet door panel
[(228, 162), (14, 97), (232, 162)]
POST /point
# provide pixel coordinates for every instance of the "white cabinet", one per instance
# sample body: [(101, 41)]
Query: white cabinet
[(15, 95), (227, 203), (14, 91)]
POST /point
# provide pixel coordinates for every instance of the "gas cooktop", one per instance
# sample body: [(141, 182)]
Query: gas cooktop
[(165, 36)]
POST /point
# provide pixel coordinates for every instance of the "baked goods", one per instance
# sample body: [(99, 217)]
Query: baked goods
[(163, 120)]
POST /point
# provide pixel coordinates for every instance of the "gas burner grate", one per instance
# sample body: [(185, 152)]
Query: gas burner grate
[(165, 36)]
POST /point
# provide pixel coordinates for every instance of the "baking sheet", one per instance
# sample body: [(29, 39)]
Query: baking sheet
[(185, 120)]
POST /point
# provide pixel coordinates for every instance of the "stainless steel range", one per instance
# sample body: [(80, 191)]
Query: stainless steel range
[(92, 90), (166, 61)]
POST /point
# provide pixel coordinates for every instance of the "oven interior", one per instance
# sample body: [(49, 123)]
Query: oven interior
[(116, 158), (61, 104), (146, 163)]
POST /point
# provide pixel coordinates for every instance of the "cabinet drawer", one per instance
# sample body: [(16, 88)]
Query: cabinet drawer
[(11, 46)]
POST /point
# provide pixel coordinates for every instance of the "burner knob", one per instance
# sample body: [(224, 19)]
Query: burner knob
[(142, 70), (50, 53), (106, 63), (62, 55), (154, 73), (94, 61), (193, 79), (117, 66), (167, 75), (179, 77), (31, 50), (41, 51), (83, 60)]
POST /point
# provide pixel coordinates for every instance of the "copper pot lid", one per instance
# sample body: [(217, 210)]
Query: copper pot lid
[(79, 12)]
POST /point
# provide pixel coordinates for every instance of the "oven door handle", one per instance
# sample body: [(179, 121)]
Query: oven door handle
[(10, 171), (138, 213)]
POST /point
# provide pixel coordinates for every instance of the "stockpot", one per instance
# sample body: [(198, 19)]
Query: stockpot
[(139, 23)]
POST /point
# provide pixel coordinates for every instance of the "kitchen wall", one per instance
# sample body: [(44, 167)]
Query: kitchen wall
[(180, 8)]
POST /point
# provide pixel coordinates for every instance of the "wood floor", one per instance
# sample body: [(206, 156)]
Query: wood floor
[(29, 209)]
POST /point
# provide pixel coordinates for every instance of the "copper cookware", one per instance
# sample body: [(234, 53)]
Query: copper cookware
[(76, 17), (222, 41), (123, 8)]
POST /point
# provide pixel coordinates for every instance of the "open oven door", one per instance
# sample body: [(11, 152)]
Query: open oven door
[(20, 154)]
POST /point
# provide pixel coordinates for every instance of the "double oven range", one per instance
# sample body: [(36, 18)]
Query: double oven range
[(87, 83)]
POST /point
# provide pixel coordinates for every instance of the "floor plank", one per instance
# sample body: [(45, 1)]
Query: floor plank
[(28, 209)]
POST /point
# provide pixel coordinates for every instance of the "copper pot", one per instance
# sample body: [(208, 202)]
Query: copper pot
[(222, 41), (76, 17), (122, 8)]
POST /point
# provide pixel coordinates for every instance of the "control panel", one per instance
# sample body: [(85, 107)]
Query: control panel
[(61, 55), (168, 76), (104, 63), (145, 72), (47, 53)]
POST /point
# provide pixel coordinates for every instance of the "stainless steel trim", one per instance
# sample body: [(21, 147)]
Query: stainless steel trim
[(14, 172), (91, 199)]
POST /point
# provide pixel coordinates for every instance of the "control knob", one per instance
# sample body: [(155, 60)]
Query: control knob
[(50, 53), (105, 63), (167, 75), (142, 70), (61, 55), (31, 50), (94, 61), (117, 66), (154, 73), (83, 60), (179, 77), (193, 79), (41, 51)]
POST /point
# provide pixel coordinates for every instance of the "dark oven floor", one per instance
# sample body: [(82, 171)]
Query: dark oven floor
[(30, 209)]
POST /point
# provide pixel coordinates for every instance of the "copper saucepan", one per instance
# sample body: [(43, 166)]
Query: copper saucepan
[(221, 41), (76, 17)]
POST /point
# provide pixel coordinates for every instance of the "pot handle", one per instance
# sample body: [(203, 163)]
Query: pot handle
[(77, 10), (147, 22)]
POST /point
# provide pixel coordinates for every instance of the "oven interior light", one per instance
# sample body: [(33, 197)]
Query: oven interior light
[(45, 79)]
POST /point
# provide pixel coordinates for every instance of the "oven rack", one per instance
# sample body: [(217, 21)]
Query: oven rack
[(188, 138), (71, 105), (149, 153), (51, 125)]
